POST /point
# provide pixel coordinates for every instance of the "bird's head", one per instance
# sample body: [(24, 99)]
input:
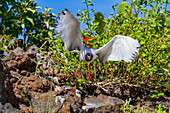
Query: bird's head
[(88, 56)]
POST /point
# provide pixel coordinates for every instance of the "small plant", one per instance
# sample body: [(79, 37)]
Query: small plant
[(38, 63), (159, 109), (140, 111), (126, 107), (80, 81)]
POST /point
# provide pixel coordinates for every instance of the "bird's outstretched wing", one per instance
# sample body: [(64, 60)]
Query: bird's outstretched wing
[(119, 48), (69, 28)]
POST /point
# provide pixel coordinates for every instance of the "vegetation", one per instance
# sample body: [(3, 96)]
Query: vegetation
[(128, 109), (98, 17), (22, 25), (124, 9)]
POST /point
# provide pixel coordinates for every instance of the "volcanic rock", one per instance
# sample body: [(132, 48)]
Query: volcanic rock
[(106, 104), (6, 90)]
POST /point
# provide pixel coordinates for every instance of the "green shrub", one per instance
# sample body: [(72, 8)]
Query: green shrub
[(124, 9), (98, 17), (23, 24)]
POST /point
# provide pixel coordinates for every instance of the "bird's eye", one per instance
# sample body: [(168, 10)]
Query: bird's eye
[(88, 56)]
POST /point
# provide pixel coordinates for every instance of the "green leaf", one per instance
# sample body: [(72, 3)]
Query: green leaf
[(83, 80), (22, 25), (81, 88), (138, 34), (167, 85), (50, 33), (153, 95), (30, 19), (51, 28), (38, 7), (69, 83), (166, 70), (49, 9), (32, 10), (159, 109), (47, 24), (84, 1), (92, 10), (157, 94), (46, 10), (54, 15), (160, 94), (142, 42), (164, 46), (114, 6)]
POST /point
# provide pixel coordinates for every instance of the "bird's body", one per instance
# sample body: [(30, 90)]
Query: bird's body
[(118, 48)]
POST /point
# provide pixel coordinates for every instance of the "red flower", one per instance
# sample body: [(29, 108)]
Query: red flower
[(86, 39)]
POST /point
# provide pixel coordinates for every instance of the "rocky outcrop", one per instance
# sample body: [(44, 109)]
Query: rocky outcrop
[(8, 108), (3, 74), (106, 104), (30, 83), (6, 90), (38, 93), (19, 61), (68, 99)]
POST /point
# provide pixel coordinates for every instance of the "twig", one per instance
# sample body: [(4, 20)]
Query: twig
[(1, 38), (43, 44)]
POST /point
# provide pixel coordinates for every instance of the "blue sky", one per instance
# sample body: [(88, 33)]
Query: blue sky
[(104, 6)]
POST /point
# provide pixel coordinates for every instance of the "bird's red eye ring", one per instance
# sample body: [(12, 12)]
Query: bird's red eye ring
[(85, 55)]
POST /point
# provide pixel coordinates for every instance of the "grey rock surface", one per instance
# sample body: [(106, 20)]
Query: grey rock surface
[(102, 104), (8, 108)]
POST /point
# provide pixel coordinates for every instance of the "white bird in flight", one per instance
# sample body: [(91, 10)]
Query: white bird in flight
[(118, 48)]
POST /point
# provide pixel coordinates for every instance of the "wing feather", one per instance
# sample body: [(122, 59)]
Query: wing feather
[(119, 48), (69, 28)]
